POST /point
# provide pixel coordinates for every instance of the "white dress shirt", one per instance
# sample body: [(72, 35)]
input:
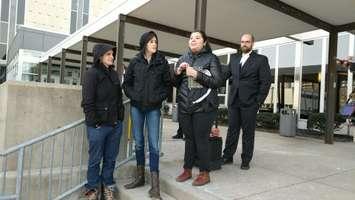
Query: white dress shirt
[(244, 58)]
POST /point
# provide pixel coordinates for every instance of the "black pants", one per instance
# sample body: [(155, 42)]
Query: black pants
[(238, 118), (196, 128), (179, 131)]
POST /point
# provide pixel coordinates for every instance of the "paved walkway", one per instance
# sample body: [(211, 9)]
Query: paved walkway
[(282, 169)]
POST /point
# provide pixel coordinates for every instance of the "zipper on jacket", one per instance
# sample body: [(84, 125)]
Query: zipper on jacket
[(190, 79)]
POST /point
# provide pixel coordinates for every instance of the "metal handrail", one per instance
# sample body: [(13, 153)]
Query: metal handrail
[(41, 138), (23, 188), (20, 149), (45, 136)]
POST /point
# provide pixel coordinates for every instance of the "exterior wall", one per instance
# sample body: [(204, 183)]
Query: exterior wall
[(100, 7), (30, 109), (54, 15), (33, 39)]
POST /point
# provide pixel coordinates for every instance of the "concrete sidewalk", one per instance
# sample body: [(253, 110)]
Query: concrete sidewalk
[(282, 169)]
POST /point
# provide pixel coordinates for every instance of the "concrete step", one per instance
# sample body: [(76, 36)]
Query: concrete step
[(185, 190), (123, 173), (169, 187), (140, 193)]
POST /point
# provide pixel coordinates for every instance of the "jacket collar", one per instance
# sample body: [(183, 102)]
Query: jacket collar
[(247, 62), (204, 50), (156, 59)]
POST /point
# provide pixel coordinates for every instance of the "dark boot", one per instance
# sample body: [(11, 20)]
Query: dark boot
[(109, 193), (154, 192), (139, 179), (179, 134), (91, 194)]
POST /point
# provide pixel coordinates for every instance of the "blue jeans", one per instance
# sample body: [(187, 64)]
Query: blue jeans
[(153, 122), (104, 145)]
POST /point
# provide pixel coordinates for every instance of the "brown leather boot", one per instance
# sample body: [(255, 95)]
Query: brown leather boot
[(139, 179), (202, 179), (184, 176), (154, 192)]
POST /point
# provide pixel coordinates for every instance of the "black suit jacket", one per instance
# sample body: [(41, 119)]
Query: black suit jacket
[(250, 84)]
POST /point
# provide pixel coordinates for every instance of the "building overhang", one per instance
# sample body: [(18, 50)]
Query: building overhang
[(226, 20)]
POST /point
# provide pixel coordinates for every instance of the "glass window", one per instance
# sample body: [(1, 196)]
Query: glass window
[(29, 67), (73, 22), (74, 4), (21, 11), (29, 77), (223, 59), (287, 55), (79, 14), (86, 6), (3, 51), (270, 53), (3, 32), (85, 19), (5, 10), (343, 46)]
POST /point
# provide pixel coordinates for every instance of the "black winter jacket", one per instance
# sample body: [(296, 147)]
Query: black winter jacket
[(146, 84), (188, 96), (102, 93)]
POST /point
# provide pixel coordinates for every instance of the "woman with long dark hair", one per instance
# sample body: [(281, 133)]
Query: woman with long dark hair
[(197, 77), (146, 84)]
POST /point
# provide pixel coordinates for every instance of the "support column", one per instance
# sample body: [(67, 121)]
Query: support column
[(276, 79), (331, 87), (39, 71), (62, 67), (49, 69), (350, 74), (200, 15), (83, 63), (227, 84), (298, 79), (323, 72), (120, 45), (119, 68), (282, 99)]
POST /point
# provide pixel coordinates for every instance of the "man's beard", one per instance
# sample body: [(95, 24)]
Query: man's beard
[(245, 49)]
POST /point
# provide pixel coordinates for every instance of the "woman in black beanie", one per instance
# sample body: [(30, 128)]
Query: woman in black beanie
[(146, 84)]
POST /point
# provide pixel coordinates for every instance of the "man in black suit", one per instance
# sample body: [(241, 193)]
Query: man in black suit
[(250, 79)]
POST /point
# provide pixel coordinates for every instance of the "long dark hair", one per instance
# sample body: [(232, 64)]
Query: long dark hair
[(145, 38), (205, 39)]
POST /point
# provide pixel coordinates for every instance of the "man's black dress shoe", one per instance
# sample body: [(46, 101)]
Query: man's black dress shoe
[(178, 136), (227, 161), (244, 166)]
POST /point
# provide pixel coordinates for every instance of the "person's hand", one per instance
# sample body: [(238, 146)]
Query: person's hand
[(181, 68), (191, 72)]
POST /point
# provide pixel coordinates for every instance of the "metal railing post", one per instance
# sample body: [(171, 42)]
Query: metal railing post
[(19, 177)]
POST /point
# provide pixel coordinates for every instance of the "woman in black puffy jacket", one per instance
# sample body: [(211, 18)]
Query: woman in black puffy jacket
[(197, 77)]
